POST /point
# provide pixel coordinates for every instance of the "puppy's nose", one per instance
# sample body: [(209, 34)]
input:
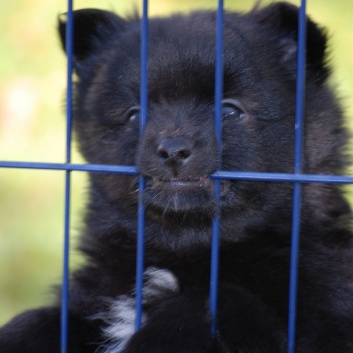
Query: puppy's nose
[(174, 151)]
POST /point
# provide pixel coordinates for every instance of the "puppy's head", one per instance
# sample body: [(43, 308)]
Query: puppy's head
[(177, 149)]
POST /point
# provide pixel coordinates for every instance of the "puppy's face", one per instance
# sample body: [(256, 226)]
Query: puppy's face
[(178, 149)]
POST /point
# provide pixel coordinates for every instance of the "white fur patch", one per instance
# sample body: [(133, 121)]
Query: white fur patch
[(158, 284), (120, 322)]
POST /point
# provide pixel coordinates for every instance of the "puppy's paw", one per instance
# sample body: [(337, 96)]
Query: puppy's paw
[(120, 319), (159, 284), (120, 324)]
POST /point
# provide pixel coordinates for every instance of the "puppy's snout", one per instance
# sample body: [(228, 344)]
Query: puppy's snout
[(174, 151)]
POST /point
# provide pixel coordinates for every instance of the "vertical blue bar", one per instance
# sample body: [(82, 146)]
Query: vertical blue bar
[(218, 130), (141, 210), (65, 285), (300, 102)]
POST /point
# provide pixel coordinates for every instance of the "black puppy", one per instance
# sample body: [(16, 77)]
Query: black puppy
[(176, 153)]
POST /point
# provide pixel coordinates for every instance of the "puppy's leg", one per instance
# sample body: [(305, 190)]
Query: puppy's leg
[(38, 331), (171, 321)]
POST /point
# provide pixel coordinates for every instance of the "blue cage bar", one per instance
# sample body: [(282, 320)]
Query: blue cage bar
[(143, 118), (298, 129), (217, 182), (66, 255)]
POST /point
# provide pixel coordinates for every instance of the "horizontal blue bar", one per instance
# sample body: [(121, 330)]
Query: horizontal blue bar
[(284, 177), (230, 175), (103, 168)]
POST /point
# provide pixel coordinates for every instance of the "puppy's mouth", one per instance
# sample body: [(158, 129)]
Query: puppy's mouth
[(175, 182), (176, 194), (202, 182)]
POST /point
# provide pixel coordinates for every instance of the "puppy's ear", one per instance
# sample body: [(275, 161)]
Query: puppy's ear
[(282, 20), (93, 29)]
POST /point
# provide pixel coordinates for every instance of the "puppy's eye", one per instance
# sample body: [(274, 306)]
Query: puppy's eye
[(231, 109), (132, 114)]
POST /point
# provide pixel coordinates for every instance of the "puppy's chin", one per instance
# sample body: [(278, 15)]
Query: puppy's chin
[(187, 197)]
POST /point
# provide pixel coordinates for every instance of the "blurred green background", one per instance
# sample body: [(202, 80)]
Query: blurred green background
[(32, 128)]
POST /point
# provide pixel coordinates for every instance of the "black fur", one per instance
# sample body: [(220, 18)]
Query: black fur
[(176, 153)]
